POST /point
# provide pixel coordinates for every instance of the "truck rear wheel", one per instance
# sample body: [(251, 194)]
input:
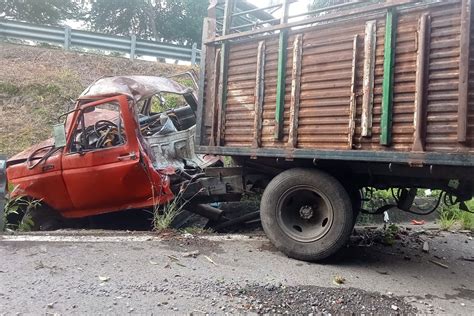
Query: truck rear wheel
[(306, 214)]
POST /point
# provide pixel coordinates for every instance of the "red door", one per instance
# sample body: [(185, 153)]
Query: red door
[(102, 168)]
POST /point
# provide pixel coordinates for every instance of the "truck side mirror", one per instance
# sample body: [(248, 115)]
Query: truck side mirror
[(59, 135)]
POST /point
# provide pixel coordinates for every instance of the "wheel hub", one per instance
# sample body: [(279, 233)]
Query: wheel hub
[(306, 212)]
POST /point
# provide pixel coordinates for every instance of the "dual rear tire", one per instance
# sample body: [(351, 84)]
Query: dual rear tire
[(307, 214)]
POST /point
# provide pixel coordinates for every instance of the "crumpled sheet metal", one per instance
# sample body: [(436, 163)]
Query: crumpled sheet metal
[(136, 87)]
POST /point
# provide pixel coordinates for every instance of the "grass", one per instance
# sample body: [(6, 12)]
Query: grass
[(452, 217), (164, 215), (21, 207), (390, 233)]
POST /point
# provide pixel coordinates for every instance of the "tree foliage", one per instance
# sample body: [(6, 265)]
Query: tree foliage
[(319, 4), (169, 20), (51, 12)]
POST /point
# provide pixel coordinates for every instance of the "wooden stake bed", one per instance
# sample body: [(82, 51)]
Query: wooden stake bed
[(385, 82)]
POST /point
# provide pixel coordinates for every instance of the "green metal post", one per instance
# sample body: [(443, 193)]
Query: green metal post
[(281, 75), (281, 85), (387, 88)]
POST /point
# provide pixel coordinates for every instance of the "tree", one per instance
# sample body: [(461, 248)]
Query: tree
[(319, 4), (169, 20), (51, 12)]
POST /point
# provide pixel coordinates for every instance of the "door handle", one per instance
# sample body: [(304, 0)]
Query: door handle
[(131, 156), (47, 168)]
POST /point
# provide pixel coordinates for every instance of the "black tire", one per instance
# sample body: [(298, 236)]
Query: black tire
[(289, 218), (356, 201)]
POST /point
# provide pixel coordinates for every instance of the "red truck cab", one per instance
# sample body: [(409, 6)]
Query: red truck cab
[(109, 153)]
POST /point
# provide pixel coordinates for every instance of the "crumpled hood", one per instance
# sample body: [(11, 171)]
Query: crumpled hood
[(22, 156)]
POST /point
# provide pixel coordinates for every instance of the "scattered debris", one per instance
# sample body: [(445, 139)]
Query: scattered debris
[(153, 262), (394, 307), (210, 260), (439, 264), (338, 280), (417, 222), (192, 254), (104, 278), (426, 247), (471, 259), (173, 258)]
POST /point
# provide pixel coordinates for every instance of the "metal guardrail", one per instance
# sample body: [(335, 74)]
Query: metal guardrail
[(70, 38)]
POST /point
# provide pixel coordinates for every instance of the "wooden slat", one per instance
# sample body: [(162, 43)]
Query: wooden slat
[(464, 70), (215, 99), (295, 91), (352, 106), (421, 81), (259, 95), (368, 81)]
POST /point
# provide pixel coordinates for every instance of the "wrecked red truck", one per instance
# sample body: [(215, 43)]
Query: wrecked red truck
[(114, 153), (312, 108)]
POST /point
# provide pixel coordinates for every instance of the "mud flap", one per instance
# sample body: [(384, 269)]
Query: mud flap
[(3, 190)]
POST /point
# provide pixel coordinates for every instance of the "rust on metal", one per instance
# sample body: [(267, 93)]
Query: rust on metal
[(353, 100), (259, 94), (420, 91), (368, 81), (295, 90), (464, 69)]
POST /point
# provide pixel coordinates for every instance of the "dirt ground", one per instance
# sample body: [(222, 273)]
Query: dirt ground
[(109, 272)]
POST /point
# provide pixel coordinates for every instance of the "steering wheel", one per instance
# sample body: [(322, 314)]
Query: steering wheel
[(102, 124)]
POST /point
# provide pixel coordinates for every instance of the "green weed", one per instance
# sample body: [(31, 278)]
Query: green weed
[(163, 215), (20, 208), (389, 234), (451, 217)]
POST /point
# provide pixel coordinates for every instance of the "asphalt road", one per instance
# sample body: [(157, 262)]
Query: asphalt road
[(97, 272)]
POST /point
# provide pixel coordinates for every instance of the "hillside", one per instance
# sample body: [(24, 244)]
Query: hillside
[(38, 84)]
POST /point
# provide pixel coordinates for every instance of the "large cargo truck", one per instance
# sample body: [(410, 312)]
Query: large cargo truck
[(359, 94)]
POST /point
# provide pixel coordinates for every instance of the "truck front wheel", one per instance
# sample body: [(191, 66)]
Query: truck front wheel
[(306, 214)]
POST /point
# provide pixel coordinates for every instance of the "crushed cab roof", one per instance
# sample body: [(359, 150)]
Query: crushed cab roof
[(136, 87)]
